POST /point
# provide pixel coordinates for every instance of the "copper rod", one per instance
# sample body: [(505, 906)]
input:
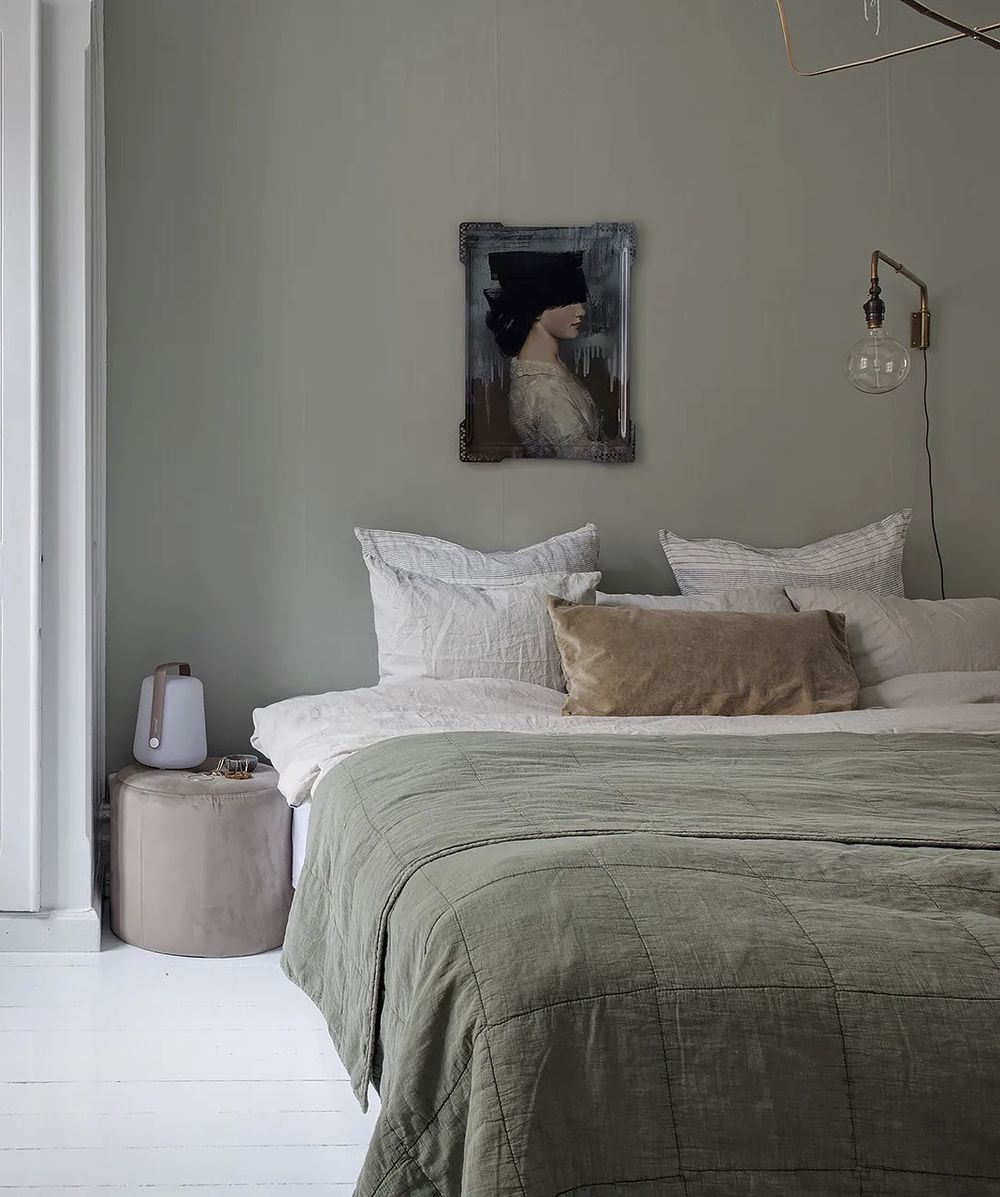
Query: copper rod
[(846, 66), (878, 255), (963, 30)]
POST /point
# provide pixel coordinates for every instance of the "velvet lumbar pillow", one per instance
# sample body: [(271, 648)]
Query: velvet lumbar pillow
[(630, 661)]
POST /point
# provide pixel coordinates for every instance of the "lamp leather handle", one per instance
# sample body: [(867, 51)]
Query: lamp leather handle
[(159, 691)]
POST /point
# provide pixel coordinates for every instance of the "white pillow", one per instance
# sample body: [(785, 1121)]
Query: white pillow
[(432, 629), (894, 637), (933, 690), (758, 600), (569, 553), (869, 558)]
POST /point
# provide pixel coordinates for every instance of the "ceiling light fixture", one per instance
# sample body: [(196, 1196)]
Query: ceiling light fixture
[(976, 33)]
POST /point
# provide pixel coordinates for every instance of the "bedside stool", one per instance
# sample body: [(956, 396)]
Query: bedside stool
[(200, 865)]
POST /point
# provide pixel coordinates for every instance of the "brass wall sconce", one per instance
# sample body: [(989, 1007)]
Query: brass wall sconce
[(878, 363)]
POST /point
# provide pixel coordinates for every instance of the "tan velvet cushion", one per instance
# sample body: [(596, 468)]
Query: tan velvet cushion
[(630, 661)]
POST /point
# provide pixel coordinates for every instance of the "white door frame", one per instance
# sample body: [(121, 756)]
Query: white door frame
[(97, 353), (19, 454)]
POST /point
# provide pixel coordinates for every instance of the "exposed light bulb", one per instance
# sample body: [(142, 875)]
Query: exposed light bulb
[(877, 363)]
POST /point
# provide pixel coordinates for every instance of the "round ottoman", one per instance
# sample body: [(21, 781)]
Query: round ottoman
[(200, 865)]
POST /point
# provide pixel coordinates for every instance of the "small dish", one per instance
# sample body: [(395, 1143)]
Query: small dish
[(238, 765)]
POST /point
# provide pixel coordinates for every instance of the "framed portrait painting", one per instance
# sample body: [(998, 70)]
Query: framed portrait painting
[(547, 342)]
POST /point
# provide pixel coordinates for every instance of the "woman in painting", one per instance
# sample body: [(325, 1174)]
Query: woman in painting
[(539, 302)]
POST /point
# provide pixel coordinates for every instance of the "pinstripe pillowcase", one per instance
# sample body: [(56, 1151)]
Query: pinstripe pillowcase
[(869, 558), (431, 629), (759, 600), (568, 553)]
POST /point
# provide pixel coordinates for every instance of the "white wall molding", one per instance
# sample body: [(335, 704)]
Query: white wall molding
[(52, 930), (67, 534), (20, 522), (97, 353), (70, 388)]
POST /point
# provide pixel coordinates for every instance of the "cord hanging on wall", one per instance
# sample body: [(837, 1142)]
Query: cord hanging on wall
[(976, 33), (873, 8), (878, 363)]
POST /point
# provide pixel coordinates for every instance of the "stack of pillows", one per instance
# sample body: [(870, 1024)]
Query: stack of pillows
[(753, 632)]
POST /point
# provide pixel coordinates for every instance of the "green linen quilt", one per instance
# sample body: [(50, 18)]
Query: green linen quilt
[(695, 966)]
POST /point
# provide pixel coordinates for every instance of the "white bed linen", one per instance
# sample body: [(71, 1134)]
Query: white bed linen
[(300, 834), (305, 737)]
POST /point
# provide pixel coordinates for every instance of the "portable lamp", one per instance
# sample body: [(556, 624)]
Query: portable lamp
[(878, 363)]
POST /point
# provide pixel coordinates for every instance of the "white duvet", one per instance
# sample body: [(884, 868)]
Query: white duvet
[(305, 737)]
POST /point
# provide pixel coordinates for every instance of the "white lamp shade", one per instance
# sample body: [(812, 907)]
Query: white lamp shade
[(182, 741)]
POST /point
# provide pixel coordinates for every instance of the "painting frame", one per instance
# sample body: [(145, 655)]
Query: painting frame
[(486, 438)]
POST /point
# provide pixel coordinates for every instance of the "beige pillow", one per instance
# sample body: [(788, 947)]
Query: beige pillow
[(894, 637), (630, 661)]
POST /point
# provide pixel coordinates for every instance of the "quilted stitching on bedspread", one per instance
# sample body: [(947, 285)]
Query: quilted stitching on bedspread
[(703, 966)]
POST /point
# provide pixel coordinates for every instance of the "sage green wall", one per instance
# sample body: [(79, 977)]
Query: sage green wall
[(285, 184)]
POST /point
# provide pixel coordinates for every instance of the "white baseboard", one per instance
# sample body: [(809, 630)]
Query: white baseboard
[(52, 930)]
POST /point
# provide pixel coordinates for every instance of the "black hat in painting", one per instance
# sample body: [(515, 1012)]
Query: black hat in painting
[(529, 282), (552, 279)]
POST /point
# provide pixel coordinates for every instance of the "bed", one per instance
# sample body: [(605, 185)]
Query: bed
[(642, 956)]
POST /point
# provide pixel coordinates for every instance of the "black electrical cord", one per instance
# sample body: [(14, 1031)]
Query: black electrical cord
[(930, 475)]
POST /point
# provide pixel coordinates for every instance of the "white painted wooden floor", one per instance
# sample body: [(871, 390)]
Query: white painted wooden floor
[(127, 1071)]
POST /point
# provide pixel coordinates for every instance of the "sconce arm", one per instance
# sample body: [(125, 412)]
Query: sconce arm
[(920, 322), (899, 268)]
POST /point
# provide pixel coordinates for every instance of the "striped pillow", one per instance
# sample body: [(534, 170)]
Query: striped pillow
[(869, 559), (759, 600), (568, 553)]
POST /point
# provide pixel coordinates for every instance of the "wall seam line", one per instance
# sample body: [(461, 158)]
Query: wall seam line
[(499, 217)]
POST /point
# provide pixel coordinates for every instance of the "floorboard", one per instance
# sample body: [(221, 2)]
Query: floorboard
[(129, 1071)]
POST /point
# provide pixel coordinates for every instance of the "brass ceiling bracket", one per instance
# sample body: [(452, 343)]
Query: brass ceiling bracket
[(920, 321), (976, 33)]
